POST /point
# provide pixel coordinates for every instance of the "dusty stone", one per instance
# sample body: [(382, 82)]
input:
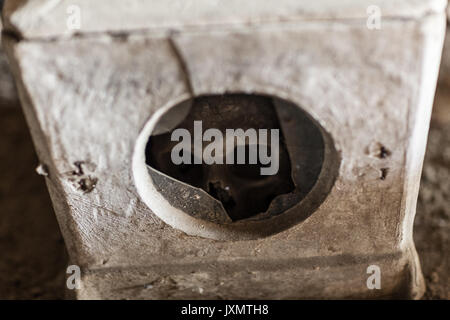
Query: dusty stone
[(89, 98), (49, 18), (35, 218)]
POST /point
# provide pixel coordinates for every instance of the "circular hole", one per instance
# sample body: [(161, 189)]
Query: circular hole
[(237, 178), (268, 176)]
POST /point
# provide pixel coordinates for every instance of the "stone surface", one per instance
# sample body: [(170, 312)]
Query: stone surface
[(48, 18), (86, 105), (36, 269)]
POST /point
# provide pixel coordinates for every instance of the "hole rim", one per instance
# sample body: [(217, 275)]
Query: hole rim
[(247, 229)]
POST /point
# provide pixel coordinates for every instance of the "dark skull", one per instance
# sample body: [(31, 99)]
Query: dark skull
[(241, 188)]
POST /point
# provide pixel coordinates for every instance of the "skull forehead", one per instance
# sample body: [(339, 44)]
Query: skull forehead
[(232, 112), (237, 111), (241, 188)]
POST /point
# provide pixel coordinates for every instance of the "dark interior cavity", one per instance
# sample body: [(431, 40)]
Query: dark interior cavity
[(242, 190)]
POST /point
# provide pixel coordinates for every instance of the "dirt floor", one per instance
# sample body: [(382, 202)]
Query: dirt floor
[(432, 223), (33, 256)]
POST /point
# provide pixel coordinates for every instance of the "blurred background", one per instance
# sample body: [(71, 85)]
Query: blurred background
[(33, 257)]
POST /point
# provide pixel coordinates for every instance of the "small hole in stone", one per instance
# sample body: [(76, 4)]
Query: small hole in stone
[(377, 150), (79, 168), (87, 184), (384, 173), (384, 153)]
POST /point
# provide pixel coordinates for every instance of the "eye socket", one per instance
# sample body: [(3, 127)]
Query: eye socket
[(247, 170), (190, 173), (185, 167)]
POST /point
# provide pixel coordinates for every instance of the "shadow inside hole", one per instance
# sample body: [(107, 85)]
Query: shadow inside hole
[(243, 192)]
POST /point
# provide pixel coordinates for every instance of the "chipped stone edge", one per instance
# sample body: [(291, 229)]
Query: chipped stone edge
[(27, 18)]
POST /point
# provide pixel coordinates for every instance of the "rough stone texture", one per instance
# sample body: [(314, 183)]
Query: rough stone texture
[(444, 73), (34, 269), (86, 105), (48, 18)]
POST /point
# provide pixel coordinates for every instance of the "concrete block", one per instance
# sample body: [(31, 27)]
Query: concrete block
[(92, 98)]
